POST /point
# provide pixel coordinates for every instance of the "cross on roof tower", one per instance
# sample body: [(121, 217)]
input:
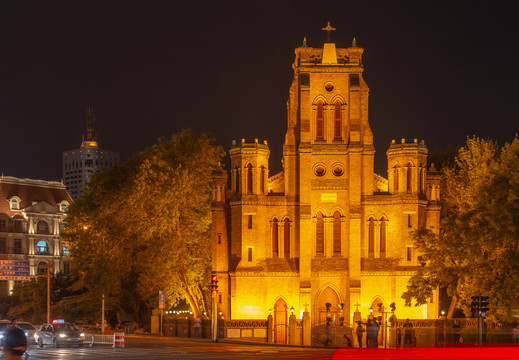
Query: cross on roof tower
[(328, 28)]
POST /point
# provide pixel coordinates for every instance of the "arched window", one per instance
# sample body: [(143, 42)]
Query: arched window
[(286, 238), (237, 179), (42, 227), (371, 238), (42, 268), (337, 121), (409, 178), (319, 121), (275, 244), (42, 248), (262, 180), (337, 232), (319, 234), (15, 204), (396, 178), (382, 238), (249, 178)]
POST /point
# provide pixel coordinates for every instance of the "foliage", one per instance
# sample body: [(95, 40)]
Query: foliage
[(476, 251), (29, 299), (144, 226)]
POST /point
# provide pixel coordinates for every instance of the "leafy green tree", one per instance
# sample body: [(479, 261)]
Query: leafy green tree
[(476, 250), (144, 226)]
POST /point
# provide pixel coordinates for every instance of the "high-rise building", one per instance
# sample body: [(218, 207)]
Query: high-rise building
[(326, 237), (79, 165)]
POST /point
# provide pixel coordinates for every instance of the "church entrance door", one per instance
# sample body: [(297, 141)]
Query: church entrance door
[(280, 322)]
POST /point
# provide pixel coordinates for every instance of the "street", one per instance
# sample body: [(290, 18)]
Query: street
[(174, 348)]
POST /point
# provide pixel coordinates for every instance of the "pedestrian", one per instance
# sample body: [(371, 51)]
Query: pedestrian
[(359, 332), (399, 336), (515, 333), (369, 333), (14, 343), (408, 333), (347, 341), (376, 328), (456, 332), (14, 322)]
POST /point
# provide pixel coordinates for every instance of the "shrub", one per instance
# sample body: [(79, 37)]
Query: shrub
[(499, 336), (469, 335)]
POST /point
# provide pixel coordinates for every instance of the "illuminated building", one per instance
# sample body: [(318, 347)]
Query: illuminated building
[(326, 229), (79, 165), (31, 220)]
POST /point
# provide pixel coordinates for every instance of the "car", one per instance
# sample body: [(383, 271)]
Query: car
[(4, 324), (59, 333), (28, 329)]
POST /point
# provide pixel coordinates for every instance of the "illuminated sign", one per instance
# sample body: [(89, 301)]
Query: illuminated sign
[(14, 270), (329, 197)]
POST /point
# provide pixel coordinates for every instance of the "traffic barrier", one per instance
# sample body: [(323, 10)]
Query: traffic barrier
[(118, 339), (100, 339)]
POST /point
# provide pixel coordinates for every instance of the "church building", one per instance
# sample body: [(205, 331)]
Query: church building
[(326, 235)]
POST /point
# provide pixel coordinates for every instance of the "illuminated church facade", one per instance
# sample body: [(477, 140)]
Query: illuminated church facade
[(326, 229)]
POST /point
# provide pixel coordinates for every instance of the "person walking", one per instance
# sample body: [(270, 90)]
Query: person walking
[(408, 333), (515, 333), (456, 332), (359, 332)]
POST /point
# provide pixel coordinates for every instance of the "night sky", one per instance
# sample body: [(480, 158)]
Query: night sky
[(437, 71)]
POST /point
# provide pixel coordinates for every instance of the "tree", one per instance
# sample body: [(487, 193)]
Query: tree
[(144, 226), (476, 250)]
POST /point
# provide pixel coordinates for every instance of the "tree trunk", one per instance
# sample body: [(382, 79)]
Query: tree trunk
[(452, 307)]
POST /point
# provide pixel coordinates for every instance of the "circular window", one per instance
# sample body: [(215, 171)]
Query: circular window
[(338, 171), (329, 87), (320, 170)]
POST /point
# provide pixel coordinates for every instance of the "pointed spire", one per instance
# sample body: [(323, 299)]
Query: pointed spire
[(304, 42), (354, 42), (90, 120)]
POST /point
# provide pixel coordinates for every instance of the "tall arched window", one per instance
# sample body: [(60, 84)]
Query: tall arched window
[(319, 121), (275, 244), (396, 177), (337, 121), (337, 232), (286, 238), (237, 179), (409, 178), (382, 238), (319, 234), (371, 238), (249, 178), (42, 227), (42, 248), (262, 180)]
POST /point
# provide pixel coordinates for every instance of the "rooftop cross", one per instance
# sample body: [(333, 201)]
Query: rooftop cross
[(328, 28), (357, 305)]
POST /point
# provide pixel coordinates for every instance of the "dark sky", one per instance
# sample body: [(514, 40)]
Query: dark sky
[(437, 71)]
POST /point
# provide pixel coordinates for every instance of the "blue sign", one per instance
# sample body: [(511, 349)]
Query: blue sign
[(17, 270), (162, 299)]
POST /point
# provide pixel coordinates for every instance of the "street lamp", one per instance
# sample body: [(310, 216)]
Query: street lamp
[(370, 310), (270, 311), (292, 310)]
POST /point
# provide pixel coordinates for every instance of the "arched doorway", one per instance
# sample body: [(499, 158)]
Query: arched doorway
[(378, 313), (280, 322), (329, 296)]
